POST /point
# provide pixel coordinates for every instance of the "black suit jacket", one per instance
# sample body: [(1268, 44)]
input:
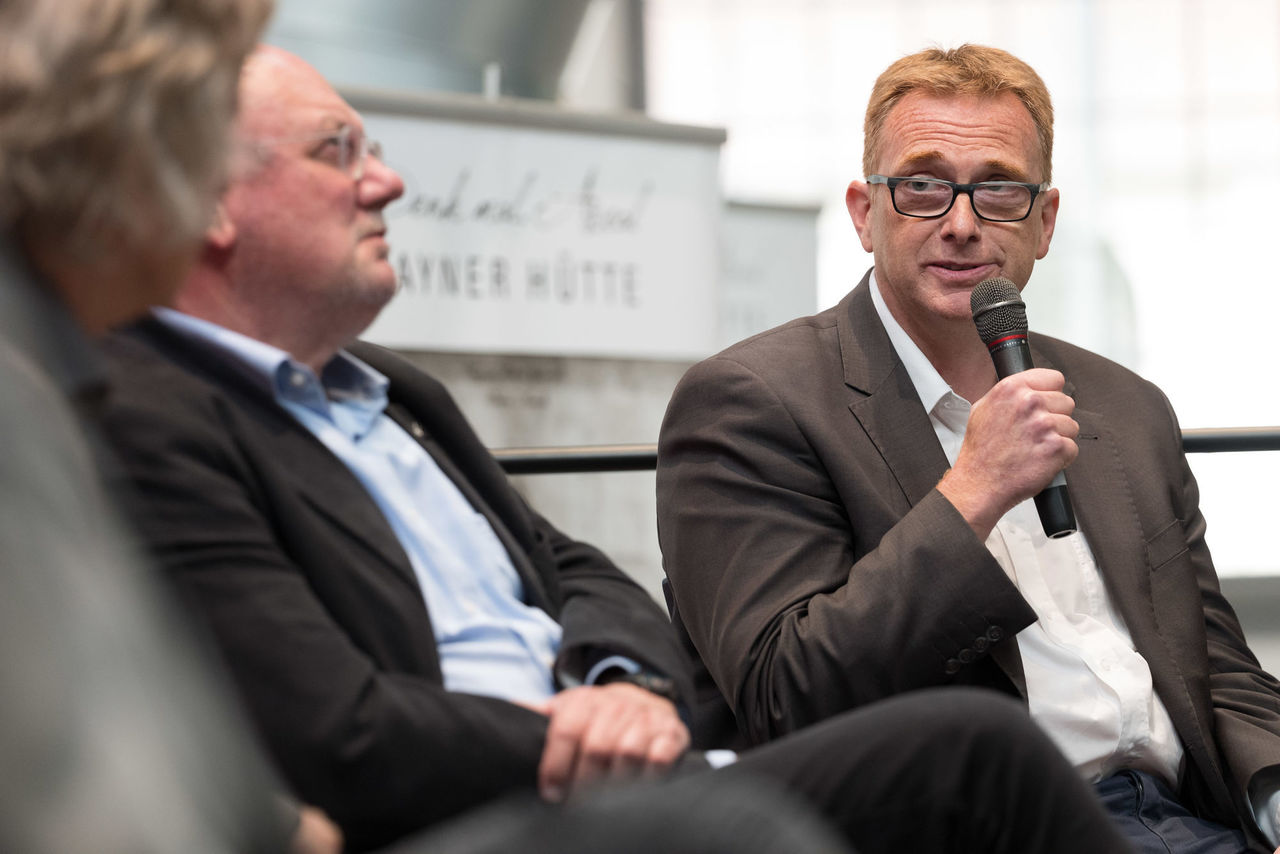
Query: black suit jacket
[(817, 568), (281, 550)]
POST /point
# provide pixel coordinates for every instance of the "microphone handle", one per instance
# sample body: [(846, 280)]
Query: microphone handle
[(1011, 356)]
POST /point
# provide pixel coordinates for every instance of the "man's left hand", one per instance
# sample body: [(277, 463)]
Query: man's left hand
[(607, 732)]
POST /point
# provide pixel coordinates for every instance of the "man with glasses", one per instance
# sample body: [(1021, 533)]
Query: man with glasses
[(411, 639), (845, 503)]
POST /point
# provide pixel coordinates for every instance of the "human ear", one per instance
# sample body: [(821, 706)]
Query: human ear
[(857, 199)]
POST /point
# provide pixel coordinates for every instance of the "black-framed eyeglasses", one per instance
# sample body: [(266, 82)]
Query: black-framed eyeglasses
[(995, 201)]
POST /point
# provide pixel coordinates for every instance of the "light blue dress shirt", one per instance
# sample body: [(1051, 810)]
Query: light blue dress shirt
[(490, 642)]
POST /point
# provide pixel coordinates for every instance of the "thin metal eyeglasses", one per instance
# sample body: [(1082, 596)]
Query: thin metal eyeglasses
[(345, 147), (994, 201)]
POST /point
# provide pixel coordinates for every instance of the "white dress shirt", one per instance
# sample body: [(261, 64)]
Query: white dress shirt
[(1086, 685)]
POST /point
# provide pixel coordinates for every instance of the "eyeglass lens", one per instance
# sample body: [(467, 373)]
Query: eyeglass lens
[(356, 154), (995, 201)]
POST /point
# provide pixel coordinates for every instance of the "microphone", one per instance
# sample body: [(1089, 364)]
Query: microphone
[(1001, 318)]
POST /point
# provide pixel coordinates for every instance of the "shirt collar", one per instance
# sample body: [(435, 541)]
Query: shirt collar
[(930, 386), (344, 380)]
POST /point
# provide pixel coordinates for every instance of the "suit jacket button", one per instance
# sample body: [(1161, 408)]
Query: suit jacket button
[(953, 667), (980, 644), (995, 633), (966, 656)]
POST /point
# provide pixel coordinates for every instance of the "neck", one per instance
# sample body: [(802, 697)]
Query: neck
[(954, 349), (206, 297), (99, 293)]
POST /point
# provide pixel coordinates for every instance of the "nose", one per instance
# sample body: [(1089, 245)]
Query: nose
[(961, 223), (380, 185)]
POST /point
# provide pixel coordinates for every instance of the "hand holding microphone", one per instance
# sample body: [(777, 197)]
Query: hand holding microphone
[(1001, 319)]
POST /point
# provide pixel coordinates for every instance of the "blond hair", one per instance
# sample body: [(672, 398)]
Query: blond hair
[(966, 70), (115, 115)]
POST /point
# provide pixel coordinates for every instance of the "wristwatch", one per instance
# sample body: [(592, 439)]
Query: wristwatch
[(661, 685)]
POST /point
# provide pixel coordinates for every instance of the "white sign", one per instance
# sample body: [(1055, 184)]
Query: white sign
[(541, 240), (769, 267)]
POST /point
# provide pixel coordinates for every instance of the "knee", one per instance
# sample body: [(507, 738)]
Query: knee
[(977, 717)]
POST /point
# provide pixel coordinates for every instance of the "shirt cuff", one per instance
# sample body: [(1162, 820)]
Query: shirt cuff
[(720, 758), (619, 662)]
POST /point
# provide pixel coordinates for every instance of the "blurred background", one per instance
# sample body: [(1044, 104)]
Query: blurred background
[(601, 192)]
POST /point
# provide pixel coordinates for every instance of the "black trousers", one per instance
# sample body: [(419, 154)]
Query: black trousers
[(947, 770), (951, 770), (682, 816)]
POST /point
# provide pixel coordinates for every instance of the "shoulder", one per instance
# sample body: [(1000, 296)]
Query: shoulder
[(1096, 380), (782, 356), (165, 394)]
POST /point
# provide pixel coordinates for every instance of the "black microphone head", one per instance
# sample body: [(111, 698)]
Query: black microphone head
[(997, 309)]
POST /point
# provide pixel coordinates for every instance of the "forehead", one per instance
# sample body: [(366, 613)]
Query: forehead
[(960, 132), (281, 95)]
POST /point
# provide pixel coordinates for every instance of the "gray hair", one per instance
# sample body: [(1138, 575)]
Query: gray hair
[(115, 115)]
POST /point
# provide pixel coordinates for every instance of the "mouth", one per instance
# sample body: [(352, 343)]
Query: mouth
[(964, 272)]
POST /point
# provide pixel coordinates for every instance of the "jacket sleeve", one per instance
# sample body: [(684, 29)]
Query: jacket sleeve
[(602, 610), (806, 581), (605, 613), (1246, 698)]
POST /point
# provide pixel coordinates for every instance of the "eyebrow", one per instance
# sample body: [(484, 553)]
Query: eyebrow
[(929, 158)]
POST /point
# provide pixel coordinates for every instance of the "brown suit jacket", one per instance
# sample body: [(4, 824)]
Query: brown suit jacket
[(816, 568)]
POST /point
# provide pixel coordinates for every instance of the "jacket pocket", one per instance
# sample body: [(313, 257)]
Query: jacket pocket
[(1167, 545)]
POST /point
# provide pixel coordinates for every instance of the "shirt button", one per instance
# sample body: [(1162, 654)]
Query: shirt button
[(415, 430), (297, 379)]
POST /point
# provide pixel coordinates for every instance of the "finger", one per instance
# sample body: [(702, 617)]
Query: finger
[(599, 745), (1042, 379), (560, 752), (666, 750), (1058, 403), (1066, 427), (631, 753)]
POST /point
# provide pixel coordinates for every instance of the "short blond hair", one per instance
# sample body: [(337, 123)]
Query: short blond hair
[(966, 70), (115, 116)]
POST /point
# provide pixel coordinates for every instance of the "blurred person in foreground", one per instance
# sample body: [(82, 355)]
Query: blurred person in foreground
[(113, 124), (845, 501), (411, 638)]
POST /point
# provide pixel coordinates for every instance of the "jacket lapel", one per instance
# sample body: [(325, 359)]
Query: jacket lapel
[(888, 409), (329, 487), (885, 402), (319, 478), (1107, 514)]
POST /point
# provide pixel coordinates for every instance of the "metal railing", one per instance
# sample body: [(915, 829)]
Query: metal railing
[(574, 459)]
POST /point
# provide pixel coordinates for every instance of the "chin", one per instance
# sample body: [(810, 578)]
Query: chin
[(381, 291)]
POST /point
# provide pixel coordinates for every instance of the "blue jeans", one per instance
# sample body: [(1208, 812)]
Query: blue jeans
[(1151, 819)]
